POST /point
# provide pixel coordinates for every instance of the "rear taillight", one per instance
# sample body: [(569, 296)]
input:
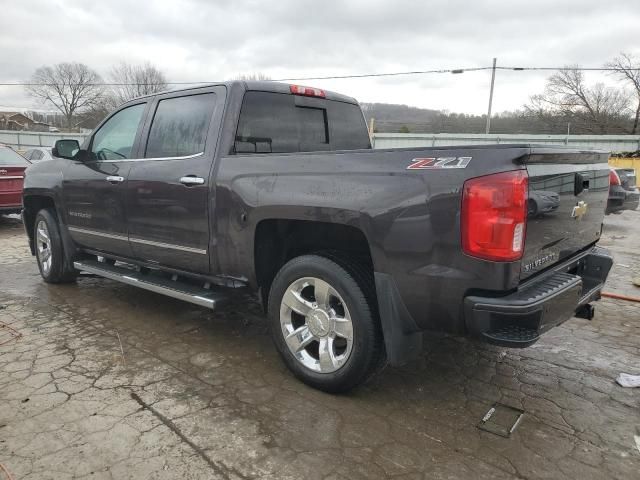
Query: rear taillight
[(306, 91), (614, 178), (494, 214)]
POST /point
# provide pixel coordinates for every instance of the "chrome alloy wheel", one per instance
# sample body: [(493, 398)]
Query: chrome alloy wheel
[(43, 247), (316, 325)]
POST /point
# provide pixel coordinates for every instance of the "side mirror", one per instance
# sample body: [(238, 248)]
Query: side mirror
[(66, 149)]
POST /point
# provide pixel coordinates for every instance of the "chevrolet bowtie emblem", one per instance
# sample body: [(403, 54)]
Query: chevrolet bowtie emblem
[(579, 210)]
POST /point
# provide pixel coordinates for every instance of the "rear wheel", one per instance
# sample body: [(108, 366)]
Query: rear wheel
[(49, 249), (323, 322)]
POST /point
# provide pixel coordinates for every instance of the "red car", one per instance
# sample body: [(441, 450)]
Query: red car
[(12, 167)]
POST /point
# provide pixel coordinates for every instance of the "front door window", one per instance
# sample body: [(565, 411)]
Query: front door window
[(115, 139)]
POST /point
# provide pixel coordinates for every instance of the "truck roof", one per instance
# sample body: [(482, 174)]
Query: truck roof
[(256, 85)]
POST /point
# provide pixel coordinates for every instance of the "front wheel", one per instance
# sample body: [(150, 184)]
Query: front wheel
[(323, 322), (49, 249)]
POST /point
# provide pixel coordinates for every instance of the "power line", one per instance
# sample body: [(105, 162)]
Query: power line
[(579, 69), (100, 84), (343, 77), (392, 74), (330, 77)]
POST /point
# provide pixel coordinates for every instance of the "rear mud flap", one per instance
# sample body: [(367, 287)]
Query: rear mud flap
[(402, 340)]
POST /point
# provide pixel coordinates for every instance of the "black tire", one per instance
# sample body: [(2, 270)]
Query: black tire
[(353, 283), (58, 271)]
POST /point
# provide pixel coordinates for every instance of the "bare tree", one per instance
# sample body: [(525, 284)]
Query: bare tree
[(70, 87), (628, 68), (598, 108), (93, 115), (133, 81)]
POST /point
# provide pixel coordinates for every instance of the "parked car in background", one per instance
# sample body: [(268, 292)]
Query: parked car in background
[(541, 201), (38, 154), (12, 167), (623, 193)]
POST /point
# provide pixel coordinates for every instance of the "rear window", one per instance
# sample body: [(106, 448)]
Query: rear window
[(10, 158), (281, 123)]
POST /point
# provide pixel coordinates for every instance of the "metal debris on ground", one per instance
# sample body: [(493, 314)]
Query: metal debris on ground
[(501, 420), (626, 380), (121, 349), (8, 333), (618, 296)]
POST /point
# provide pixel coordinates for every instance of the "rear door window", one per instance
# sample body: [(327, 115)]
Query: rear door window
[(180, 126), (277, 123)]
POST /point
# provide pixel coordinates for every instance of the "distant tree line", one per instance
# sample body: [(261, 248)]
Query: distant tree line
[(568, 102), (519, 121), (83, 98)]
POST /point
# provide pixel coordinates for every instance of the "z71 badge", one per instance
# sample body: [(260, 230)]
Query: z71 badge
[(439, 162)]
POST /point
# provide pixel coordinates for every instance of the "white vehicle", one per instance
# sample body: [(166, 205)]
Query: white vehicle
[(38, 154)]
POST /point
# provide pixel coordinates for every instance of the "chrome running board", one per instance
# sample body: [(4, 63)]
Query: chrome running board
[(154, 282)]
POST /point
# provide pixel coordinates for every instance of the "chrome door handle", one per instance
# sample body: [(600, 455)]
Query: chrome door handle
[(115, 179), (192, 180)]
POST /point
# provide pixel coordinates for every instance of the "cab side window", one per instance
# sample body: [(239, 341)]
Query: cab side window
[(180, 126), (115, 139)]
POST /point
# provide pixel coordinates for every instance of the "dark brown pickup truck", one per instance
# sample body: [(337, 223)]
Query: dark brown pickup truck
[(354, 252)]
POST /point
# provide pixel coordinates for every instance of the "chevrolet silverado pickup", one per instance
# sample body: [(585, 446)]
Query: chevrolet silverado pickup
[(354, 252)]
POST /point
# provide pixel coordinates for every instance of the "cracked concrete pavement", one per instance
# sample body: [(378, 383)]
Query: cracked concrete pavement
[(109, 381)]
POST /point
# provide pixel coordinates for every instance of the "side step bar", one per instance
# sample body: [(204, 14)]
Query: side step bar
[(154, 282)]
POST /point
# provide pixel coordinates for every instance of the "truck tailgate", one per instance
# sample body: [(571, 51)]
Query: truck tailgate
[(568, 192)]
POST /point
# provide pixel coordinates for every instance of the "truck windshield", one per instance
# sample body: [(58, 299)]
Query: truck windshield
[(282, 123)]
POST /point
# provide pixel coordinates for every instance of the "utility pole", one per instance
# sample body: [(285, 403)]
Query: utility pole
[(493, 79), (371, 130)]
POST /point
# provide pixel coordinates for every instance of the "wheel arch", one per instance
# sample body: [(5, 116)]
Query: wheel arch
[(278, 240), (32, 204)]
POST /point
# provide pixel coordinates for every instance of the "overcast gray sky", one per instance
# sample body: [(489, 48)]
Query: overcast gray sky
[(200, 40)]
